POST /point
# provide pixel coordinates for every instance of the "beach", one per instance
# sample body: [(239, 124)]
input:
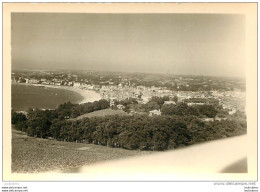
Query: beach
[(88, 95)]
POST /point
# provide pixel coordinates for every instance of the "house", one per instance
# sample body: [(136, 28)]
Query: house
[(154, 112), (70, 83), (169, 103), (232, 112), (220, 119), (59, 84), (120, 107), (208, 119), (144, 100), (112, 103), (76, 84), (191, 104)]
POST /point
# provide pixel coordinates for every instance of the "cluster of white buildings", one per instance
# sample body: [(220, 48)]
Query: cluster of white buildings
[(231, 100), (141, 93), (86, 86), (144, 94), (57, 82)]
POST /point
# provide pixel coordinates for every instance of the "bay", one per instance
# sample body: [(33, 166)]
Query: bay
[(26, 96)]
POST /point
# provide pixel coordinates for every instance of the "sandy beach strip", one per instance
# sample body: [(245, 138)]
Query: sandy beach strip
[(88, 95)]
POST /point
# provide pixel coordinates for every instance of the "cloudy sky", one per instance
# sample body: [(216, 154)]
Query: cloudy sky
[(196, 44)]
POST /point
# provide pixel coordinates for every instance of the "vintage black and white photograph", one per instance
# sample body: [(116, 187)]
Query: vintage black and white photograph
[(112, 93)]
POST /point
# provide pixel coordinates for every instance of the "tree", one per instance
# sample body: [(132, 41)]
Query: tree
[(126, 109), (151, 105), (175, 99), (75, 112), (207, 110), (169, 109), (21, 126), (17, 117), (159, 100), (182, 109), (55, 128), (160, 141), (193, 111), (104, 104)]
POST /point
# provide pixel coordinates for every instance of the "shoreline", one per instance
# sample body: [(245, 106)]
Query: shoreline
[(88, 95)]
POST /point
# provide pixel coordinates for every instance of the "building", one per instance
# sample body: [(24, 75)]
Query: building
[(208, 119), (112, 103), (120, 107), (154, 112), (191, 104), (76, 84), (232, 112), (169, 103)]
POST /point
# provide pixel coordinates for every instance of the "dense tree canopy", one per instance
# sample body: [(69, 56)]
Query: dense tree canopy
[(183, 109), (180, 125)]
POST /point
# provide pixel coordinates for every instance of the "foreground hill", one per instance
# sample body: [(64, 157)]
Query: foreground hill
[(31, 154)]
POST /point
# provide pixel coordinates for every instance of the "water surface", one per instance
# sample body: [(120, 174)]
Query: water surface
[(25, 96)]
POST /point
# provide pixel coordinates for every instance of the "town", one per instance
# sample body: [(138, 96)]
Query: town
[(117, 86)]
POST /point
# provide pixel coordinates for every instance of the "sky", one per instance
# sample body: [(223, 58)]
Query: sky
[(187, 44)]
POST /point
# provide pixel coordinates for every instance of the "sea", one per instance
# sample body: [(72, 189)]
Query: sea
[(26, 96)]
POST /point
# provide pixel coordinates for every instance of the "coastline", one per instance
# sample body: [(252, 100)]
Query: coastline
[(88, 95)]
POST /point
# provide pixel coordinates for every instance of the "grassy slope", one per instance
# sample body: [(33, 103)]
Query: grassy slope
[(100, 113), (41, 155)]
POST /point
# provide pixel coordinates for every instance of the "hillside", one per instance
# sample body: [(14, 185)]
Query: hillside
[(31, 154), (100, 113)]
